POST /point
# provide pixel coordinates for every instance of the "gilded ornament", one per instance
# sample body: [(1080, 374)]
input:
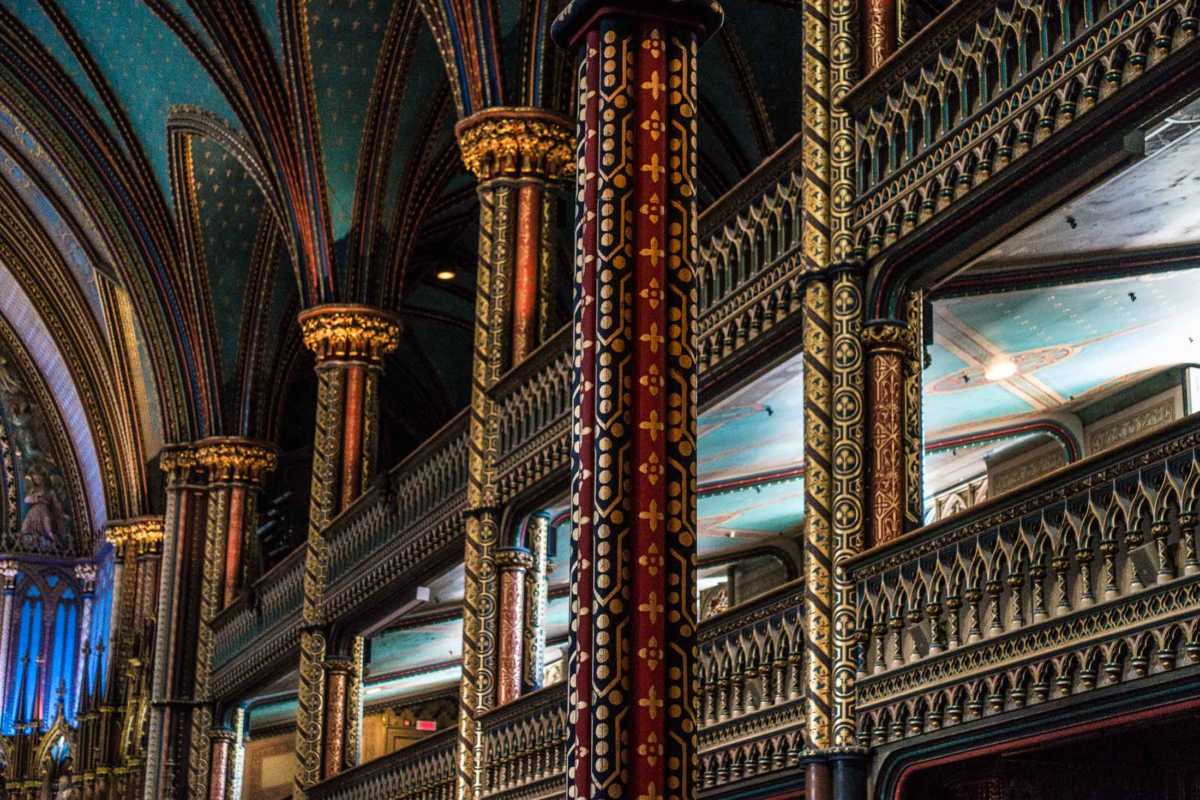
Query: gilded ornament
[(517, 142), (137, 531), (349, 333), (230, 458)]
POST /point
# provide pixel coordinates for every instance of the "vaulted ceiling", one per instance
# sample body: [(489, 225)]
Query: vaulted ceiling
[(196, 173)]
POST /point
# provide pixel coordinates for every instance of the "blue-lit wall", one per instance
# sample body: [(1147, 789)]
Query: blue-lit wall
[(46, 647)]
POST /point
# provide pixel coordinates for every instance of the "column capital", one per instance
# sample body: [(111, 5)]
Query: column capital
[(86, 574), (138, 532), (580, 16), (233, 458), (176, 460), (513, 558), (886, 336), (342, 332), (517, 142), (8, 571)]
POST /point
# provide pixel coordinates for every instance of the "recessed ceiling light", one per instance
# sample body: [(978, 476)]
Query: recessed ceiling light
[(1000, 369), (445, 275)]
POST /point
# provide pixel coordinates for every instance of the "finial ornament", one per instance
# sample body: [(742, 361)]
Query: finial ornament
[(517, 142), (232, 458), (337, 332)]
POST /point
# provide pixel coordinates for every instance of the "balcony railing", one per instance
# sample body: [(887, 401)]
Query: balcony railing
[(984, 84), (751, 707), (750, 287), (413, 514), (1087, 578), (425, 770)]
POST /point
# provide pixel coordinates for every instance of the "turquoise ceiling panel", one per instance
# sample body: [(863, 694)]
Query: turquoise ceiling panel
[(756, 512), (344, 39), (231, 208), (148, 67), (760, 429)]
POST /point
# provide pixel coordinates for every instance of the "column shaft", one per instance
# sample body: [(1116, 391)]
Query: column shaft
[(350, 343), (536, 601), (914, 428), (506, 149), (818, 520), (849, 459), (8, 573), (885, 367), (632, 675), (236, 468), (513, 564), (879, 32)]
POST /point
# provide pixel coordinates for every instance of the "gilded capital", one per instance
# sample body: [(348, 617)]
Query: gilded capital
[(886, 336), (517, 142), (349, 333), (513, 558), (141, 532), (8, 571), (232, 458), (176, 460), (86, 574)]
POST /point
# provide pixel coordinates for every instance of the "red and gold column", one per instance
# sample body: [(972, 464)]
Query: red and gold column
[(236, 468), (632, 671), (886, 343), (880, 32), (350, 343), (517, 155), (513, 565), (184, 525)]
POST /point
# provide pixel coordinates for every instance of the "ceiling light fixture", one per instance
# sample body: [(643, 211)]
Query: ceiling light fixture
[(445, 275), (1000, 369)]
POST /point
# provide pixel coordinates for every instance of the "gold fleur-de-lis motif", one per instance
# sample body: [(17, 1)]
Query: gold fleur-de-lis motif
[(652, 560), (654, 210), (651, 749), (653, 381), (652, 515), (651, 607), (652, 703), (654, 167), (654, 86), (653, 469), (653, 294), (652, 654), (653, 338), (651, 793), (654, 251), (654, 425), (654, 125)]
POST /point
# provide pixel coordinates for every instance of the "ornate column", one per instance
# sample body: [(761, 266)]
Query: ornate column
[(350, 343), (537, 536), (8, 574), (184, 526), (506, 149), (513, 565), (222, 747), (914, 424), (886, 343), (236, 468), (880, 32), (632, 670), (818, 531), (86, 575)]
